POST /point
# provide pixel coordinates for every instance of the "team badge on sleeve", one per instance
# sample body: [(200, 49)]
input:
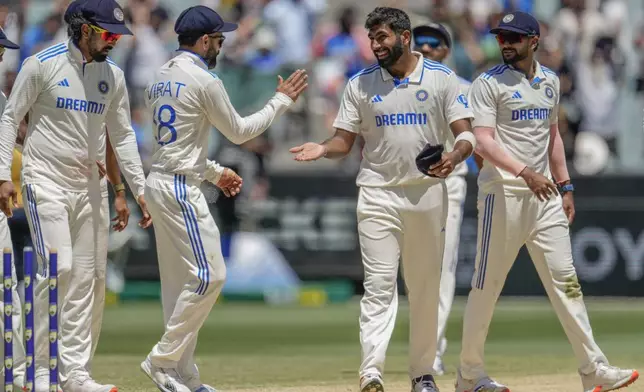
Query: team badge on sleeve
[(462, 99), (103, 87), (550, 92), (422, 95)]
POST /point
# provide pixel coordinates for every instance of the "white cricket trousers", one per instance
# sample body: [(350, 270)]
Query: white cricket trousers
[(507, 222), (191, 266), (76, 224), (16, 319), (401, 222), (456, 192)]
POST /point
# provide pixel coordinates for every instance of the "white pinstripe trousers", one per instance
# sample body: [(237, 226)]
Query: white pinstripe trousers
[(506, 223), (191, 266)]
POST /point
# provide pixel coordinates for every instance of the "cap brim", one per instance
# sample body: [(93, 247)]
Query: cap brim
[(115, 28), (510, 29), (8, 44), (227, 27)]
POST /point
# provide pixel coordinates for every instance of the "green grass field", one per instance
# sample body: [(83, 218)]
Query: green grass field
[(253, 347)]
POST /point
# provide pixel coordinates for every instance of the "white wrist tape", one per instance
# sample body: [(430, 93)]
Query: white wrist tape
[(468, 136)]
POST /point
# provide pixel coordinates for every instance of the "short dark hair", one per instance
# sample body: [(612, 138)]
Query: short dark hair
[(396, 19), (189, 40), (75, 24)]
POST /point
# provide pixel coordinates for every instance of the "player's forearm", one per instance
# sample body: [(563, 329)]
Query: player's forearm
[(492, 152), (125, 148), (558, 165), (112, 165), (336, 147), (214, 171), (8, 133), (243, 129)]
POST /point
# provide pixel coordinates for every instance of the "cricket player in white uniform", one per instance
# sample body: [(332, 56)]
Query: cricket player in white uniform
[(398, 107), (515, 122), (72, 92), (434, 42), (186, 101), (5, 242)]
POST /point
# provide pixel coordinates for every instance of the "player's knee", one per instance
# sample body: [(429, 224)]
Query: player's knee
[(567, 281), (380, 284)]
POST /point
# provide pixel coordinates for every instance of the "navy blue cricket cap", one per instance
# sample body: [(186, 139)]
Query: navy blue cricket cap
[(106, 14), (518, 22), (435, 28), (200, 20), (4, 41)]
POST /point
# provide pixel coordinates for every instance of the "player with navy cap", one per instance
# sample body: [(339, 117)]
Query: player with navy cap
[(186, 100), (5, 242), (434, 42), (516, 108), (72, 92)]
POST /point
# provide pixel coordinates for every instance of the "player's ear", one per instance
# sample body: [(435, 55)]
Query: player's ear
[(406, 37), (85, 30)]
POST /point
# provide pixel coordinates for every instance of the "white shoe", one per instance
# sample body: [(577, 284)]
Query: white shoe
[(167, 380), (84, 383), (439, 368), (195, 385), (19, 382), (371, 383), (608, 378), (424, 384), (483, 384), (41, 384)]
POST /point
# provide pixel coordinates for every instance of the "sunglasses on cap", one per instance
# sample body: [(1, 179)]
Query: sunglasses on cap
[(511, 38), (106, 35), (433, 42)]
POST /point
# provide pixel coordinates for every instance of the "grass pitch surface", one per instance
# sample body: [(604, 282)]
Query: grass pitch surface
[(252, 347)]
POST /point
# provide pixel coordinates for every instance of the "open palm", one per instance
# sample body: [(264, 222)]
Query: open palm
[(308, 152)]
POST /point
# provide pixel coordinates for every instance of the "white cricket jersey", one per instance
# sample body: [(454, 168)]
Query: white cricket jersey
[(398, 117), (461, 168), (187, 101), (70, 102), (521, 112)]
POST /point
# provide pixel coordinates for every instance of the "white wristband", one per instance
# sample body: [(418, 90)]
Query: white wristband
[(468, 136)]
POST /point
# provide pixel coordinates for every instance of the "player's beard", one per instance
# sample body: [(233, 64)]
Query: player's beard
[(394, 54), (211, 57), (99, 55), (515, 57)]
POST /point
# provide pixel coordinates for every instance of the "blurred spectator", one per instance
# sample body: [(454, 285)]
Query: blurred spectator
[(40, 36)]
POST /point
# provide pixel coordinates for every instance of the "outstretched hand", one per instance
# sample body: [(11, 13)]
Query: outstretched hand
[(294, 85)]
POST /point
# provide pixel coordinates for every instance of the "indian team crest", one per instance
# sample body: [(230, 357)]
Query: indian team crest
[(550, 92), (30, 360), (53, 335), (8, 363), (28, 307), (27, 281), (53, 282), (422, 95), (118, 14), (8, 336), (8, 309), (29, 333), (508, 18), (8, 388), (8, 282), (29, 386), (53, 309), (53, 362), (103, 87)]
